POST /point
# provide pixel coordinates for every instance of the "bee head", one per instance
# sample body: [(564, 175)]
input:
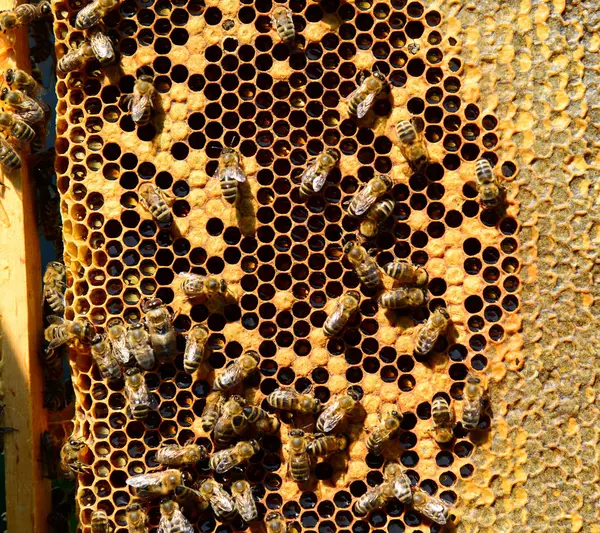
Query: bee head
[(46, 9), (97, 339), (238, 486), (153, 303), (13, 98), (212, 284), (4, 93), (349, 246), (419, 498), (10, 76), (133, 373), (167, 506)]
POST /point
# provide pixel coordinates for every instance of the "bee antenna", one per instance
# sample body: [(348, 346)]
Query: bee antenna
[(231, 141)]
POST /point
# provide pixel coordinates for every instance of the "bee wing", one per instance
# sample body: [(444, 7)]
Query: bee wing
[(354, 93), (144, 481), (233, 172), (180, 523), (319, 181), (226, 462), (364, 200), (222, 500), (364, 106), (435, 511), (308, 174), (122, 354), (337, 314), (164, 525), (332, 416), (53, 319), (139, 107)]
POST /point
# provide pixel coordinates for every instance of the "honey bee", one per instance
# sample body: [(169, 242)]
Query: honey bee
[(276, 524), (175, 455), (333, 414), (384, 432), (212, 410), (443, 420), (99, 522), (364, 199), (237, 371), (429, 333), (221, 502), (9, 158), (172, 519), (61, 331), (20, 80), (195, 348), (160, 328), (195, 285), (156, 484), (361, 99), (137, 519), (230, 174), (93, 13), (231, 421), (282, 21), (433, 508), (314, 176), (23, 107), (323, 445), (69, 459), (152, 199), (244, 501), (404, 272), (140, 399), (374, 498), (24, 15), (16, 127), (379, 212), (347, 305), (102, 47), (76, 58), (141, 102), (54, 287), (403, 297), (412, 145), (488, 185), (363, 264), (103, 356), (395, 476), (299, 460), (263, 421), (290, 400), (188, 495), (472, 399), (117, 336), (138, 344), (224, 460)]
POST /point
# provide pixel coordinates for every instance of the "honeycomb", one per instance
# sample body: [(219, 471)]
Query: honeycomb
[(224, 79)]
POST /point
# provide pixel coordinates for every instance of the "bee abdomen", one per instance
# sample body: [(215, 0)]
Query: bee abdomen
[(470, 419), (145, 118), (354, 103), (140, 412), (162, 214), (331, 328), (300, 470), (229, 190), (406, 132), (370, 276), (280, 400)]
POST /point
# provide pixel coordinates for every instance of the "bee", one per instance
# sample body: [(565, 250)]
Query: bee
[(379, 212), (24, 107), (212, 410), (221, 502), (175, 455), (473, 397), (24, 14), (137, 519), (172, 519), (230, 174), (117, 336), (69, 459), (20, 80), (54, 273), (103, 356), (195, 348), (140, 399), (403, 297), (364, 199), (262, 420), (333, 414), (314, 176), (361, 99), (384, 432), (244, 502), (430, 507), (429, 333), (323, 445), (138, 344), (54, 287), (76, 58), (152, 199), (299, 460), (225, 460), (195, 285), (395, 476), (188, 495), (282, 21), (276, 524), (363, 264), (412, 145), (156, 484), (231, 421), (99, 522), (290, 400), (160, 327), (93, 13), (488, 185), (404, 272), (443, 419), (347, 305), (237, 371), (374, 498), (9, 158), (102, 47), (61, 331), (141, 102), (17, 128)]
